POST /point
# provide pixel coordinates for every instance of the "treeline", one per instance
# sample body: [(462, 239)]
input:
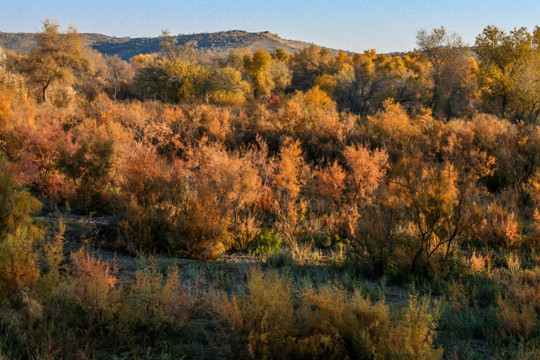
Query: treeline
[(498, 74)]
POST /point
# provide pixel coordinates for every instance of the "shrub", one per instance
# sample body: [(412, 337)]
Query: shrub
[(18, 258), (158, 305), (280, 259), (258, 323), (349, 326), (417, 334), (516, 320), (340, 325), (18, 263), (501, 227), (219, 190), (16, 204), (269, 243), (95, 287), (88, 166)]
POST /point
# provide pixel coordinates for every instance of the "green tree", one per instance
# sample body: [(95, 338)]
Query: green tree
[(502, 58)]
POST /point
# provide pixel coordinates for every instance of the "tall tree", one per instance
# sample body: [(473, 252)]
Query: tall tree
[(257, 67), (502, 57), (118, 72), (450, 69), (56, 57), (363, 87), (307, 65), (175, 74)]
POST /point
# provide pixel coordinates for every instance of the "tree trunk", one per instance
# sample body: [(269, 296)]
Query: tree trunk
[(44, 97)]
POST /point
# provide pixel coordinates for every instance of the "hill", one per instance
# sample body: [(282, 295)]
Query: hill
[(126, 47)]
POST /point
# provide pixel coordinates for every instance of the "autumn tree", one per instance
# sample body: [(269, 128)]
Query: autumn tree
[(451, 70), (307, 65), (328, 183), (175, 74), (229, 88), (365, 85), (56, 57), (118, 72), (366, 171), (440, 207), (257, 68), (504, 58), (288, 181)]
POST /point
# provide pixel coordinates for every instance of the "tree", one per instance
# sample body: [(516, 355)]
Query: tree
[(257, 68), (365, 85), (118, 72), (502, 56), (451, 67), (55, 57), (525, 94), (175, 75), (229, 87), (307, 65)]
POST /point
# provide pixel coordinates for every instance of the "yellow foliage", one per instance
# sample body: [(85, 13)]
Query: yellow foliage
[(288, 179), (317, 98)]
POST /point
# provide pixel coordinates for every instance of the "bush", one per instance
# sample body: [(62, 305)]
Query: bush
[(263, 321), (516, 321), (158, 305), (501, 227), (269, 243), (339, 325), (95, 287), (18, 257), (18, 263), (259, 322)]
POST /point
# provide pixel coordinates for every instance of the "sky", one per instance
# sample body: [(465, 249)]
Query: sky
[(384, 25)]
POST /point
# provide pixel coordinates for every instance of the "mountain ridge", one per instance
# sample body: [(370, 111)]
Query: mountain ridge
[(221, 42)]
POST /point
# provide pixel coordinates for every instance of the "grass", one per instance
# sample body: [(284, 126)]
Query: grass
[(274, 305)]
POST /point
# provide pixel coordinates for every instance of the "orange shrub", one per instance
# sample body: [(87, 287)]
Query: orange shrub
[(501, 227), (95, 286), (366, 171)]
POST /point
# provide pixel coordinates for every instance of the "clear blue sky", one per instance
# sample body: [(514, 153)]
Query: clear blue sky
[(385, 25)]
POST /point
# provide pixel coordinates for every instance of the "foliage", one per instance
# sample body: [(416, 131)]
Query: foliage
[(330, 166), (18, 236), (56, 57), (269, 243)]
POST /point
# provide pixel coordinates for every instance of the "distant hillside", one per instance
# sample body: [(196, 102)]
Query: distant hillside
[(217, 43)]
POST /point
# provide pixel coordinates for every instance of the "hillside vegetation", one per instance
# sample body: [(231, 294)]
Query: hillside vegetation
[(126, 48), (268, 205)]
